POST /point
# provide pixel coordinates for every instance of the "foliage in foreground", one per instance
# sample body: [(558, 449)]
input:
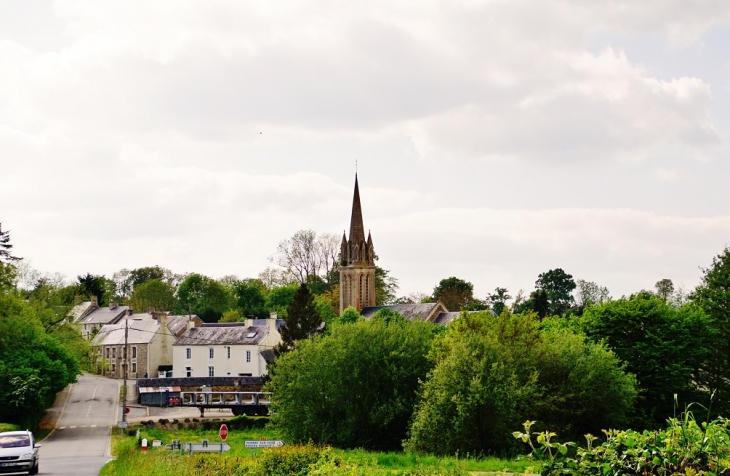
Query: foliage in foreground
[(353, 388), (288, 460), (491, 373), (685, 446)]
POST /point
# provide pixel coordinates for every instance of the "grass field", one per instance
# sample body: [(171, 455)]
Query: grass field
[(239, 460)]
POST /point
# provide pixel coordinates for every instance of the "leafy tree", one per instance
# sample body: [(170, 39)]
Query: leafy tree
[(559, 287), (498, 300), (250, 297), (587, 293), (664, 347), (33, 365), (454, 293), (96, 286), (279, 299), (353, 388), (664, 289), (713, 296), (386, 286), (302, 320), (349, 316), (490, 375), (204, 297), (232, 315), (540, 303), (154, 294)]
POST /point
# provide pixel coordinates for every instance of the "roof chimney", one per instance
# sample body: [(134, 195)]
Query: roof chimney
[(112, 304)]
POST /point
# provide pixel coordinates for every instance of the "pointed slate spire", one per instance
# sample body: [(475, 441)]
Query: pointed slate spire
[(357, 229)]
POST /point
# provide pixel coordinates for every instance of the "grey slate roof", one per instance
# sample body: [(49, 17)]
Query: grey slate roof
[(230, 334), (104, 315), (420, 312), (81, 310), (142, 328), (177, 324), (445, 318)]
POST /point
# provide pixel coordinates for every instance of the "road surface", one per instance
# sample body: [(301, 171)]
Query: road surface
[(80, 443)]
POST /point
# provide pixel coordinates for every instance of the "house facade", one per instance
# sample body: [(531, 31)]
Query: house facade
[(92, 321), (149, 344), (236, 349)]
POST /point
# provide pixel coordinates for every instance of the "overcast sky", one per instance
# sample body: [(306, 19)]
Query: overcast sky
[(495, 140)]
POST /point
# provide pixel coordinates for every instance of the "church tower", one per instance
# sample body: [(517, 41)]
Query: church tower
[(357, 262)]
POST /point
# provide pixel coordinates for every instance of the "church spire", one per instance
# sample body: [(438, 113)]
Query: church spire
[(357, 229)]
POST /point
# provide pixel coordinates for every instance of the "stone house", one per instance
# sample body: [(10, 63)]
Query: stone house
[(149, 337), (93, 317)]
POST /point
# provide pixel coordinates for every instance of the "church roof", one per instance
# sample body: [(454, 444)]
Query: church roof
[(412, 312), (357, 229)]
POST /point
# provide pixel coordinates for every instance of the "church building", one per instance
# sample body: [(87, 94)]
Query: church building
[(357, 262), (357, 276)]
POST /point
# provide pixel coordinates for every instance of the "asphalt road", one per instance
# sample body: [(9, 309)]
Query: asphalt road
[(80, 443)]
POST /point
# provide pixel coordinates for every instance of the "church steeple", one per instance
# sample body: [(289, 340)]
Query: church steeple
[(357, 229), (357, 261)]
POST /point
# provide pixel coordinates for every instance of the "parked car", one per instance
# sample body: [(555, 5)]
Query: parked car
[(18, 452)]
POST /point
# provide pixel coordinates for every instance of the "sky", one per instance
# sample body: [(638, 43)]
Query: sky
[(494, 140)]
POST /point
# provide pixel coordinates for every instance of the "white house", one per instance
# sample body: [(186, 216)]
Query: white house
[(226, 349)]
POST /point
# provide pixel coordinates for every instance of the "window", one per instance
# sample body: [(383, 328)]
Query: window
[(211, 352), (134, 367), (211, 371), (134, 352), (107, 352), (229, 351), (248, 356), (188, 354), (114, 352), (114, 367), (188, 371)]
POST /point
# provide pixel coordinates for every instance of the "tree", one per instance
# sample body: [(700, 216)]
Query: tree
[(96, 286), (587, 293), (250, 297), (498, 300), (713, 296), (279, 299), (664, 347), (385, 286), (154, 294), (454, 293), (664, 289), (302, 320), (307, 254), (353, 388), (204, 297), (5, 247), (558, 285), (490, 375)]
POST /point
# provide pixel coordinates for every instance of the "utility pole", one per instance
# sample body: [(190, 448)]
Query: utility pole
[(124, 391)]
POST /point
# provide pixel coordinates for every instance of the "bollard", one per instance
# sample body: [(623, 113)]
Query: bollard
[(144, 444)]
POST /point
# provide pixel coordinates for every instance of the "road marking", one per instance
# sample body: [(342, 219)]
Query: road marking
[(72, 426), (93, 426), (92, 401), (62, 428)]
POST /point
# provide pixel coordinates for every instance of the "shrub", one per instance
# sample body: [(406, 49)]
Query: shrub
[(683, 447)]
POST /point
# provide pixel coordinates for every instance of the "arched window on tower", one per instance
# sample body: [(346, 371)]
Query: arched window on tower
[(359, 294)]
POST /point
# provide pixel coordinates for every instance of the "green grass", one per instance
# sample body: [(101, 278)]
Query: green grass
[(239, 460)]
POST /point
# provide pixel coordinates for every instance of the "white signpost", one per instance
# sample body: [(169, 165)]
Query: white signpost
[(263, 443)]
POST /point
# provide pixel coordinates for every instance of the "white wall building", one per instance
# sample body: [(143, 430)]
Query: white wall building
[(225, 349)]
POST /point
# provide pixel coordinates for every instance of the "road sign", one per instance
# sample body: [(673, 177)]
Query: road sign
[(206, 447), (223, 432), (126, 410), (263, 444), (121, 424)]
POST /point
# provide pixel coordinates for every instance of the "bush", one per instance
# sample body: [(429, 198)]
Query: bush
[(684, 447), (492, 373)]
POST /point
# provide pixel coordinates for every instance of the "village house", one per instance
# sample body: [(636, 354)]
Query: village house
[(149, 337), (90, 318), (227, 349)]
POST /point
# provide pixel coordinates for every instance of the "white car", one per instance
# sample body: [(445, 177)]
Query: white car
[(18, 452)]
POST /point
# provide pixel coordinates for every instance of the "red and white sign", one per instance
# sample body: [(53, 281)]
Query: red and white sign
[(223, 432)]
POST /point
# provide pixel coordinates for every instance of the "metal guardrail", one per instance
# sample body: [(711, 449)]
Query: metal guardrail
[(249, 403)]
